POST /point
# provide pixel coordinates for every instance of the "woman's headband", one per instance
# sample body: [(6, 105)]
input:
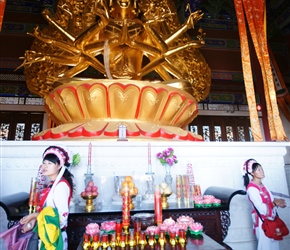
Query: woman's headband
[(59, 154), (247, 167)]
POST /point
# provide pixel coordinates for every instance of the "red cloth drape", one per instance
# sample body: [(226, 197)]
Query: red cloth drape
[(256, 20)]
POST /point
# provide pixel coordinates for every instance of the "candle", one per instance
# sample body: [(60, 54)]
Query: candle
[(189, 172), (158, 205), (35, 198), (149, 155), (32, 192), (119, 227), (126, 208), (178, 187), (90, 155)]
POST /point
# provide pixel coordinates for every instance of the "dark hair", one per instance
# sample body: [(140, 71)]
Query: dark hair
[(255, 165), (54, 159)]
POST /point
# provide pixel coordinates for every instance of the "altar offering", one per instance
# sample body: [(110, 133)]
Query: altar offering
[(129, 186), (216, 202), (169, 222), (196, 228), (166, 191), (206, 201), (108, 227), (186, 220), (147, 219), (92, 229), (90, 190), (178, 188), (152, 230), (89, 194), (185, 188), (182, 237)]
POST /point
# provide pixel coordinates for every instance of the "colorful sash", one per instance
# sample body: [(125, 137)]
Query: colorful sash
[(48, 228)]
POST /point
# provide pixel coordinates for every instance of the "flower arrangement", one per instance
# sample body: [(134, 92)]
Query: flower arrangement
[(92, 228), (108, 226), (196, 228), (152, 229), (167, 157)]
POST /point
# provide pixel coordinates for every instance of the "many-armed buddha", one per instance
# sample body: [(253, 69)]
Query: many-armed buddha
[(150, 73)]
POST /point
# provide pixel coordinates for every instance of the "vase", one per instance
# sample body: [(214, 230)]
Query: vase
[(168, 177)]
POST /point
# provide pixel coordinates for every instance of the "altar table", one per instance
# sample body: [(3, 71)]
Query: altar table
[(215, 220)]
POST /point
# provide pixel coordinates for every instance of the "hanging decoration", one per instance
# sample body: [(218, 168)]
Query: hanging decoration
[(2, 9), (255, 15)]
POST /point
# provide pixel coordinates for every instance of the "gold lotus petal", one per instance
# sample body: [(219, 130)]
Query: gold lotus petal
[(69, 100), (63, 130), (93, 100), (132, 129), (152, 103), (149, 129), (141, 131), (173, 106), (95, 125), (55, 106), (175, 130), (123, 101), (112, 128), (187, 115)]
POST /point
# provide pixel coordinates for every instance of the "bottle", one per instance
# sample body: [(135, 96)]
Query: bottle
[(96, 241), (142, 239), (86, 242), (151, 240), (162, 239), (172, 238), (113, 241), (182, 237), (105, 241), (119, 227), (132, 241), (137, 225), (123, 240), (137, 229)]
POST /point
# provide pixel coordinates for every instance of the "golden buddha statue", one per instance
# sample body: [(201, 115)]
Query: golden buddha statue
[(125, 41)]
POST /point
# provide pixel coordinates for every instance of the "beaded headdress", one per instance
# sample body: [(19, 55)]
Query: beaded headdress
[(59, 154), (247, 167)]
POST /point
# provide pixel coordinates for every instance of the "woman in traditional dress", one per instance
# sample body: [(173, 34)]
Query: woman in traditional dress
[(261, 198), (54, 200)]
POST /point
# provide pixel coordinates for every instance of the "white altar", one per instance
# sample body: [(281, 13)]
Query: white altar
[(214, 164)]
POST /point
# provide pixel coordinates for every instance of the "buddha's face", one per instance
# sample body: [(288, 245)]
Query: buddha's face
[(124, 3), (123, 7)]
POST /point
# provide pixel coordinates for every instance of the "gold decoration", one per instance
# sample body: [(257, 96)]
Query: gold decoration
[(89, 207), (132, 205), (126, 39), (164, 202)]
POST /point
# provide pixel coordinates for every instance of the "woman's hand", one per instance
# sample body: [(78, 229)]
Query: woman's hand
[(28, 226), (280, 202), (28, 222)]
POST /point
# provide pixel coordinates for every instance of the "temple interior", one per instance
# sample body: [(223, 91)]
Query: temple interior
[(89, 76)]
